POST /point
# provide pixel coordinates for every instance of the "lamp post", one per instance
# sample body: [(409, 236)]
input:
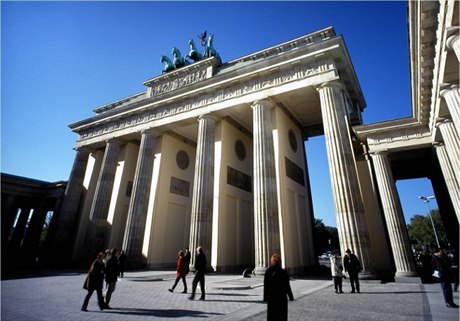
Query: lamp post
[(426, 200)]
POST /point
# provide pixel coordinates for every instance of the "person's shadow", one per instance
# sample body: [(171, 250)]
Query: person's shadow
[(162, 313)]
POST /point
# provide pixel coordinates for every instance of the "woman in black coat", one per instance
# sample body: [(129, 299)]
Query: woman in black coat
[(276, 290), (95, 281)]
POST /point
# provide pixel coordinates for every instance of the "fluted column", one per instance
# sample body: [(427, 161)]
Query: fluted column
[(453, 43), (62, 231), (351, 222), (266, 221), (449, 177), (396, 226), (19, 229), (203, 187), (97, 231), (451, 95), (137, 212), (452, 143)]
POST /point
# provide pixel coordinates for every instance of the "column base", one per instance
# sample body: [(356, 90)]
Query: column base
[(260, 270), (406, 274)]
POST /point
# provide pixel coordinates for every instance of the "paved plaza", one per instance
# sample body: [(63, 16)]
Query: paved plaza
[(144, 296)]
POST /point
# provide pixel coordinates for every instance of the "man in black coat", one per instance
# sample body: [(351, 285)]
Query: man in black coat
[(276, 290), (353, 267), (442, 264), (200, 267), (111, 275)]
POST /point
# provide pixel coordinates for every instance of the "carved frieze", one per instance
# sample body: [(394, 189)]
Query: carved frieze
[(270, 80), (399, 136)]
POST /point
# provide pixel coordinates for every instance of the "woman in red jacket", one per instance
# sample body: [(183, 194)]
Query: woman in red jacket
[(181, 272)]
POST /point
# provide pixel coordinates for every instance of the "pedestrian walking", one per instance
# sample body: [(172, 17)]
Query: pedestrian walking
[(442, 264), (276, 290), (200, 267), (94, 282), (352, 267), (187, 257), (111, 276), (336, 271), (181, 272), (121, 263)]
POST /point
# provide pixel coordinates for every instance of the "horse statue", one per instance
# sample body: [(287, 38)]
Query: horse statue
[(210, 51), (193, 53), (169, 66), (178, 60)]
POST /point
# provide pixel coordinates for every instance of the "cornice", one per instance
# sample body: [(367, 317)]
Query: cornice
[(321, 54)]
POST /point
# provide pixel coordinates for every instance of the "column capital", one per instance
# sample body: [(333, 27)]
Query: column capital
[(151, 132), (379, 153), (263, 102), (333, 83), (207, 116), (452, 36), (113, 140), (447, 88), (442, 121), (437, 144), (84, 149)]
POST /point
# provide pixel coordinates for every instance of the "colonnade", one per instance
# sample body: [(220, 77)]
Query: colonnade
[(351, 218), (27, 208)]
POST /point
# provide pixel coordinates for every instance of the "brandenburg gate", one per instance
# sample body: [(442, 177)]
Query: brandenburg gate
[(212, 154)]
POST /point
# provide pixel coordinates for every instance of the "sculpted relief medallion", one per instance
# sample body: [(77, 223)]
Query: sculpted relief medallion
[(182, 159), (240, 150), (292, 140)]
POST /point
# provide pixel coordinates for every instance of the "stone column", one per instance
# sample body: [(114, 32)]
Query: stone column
[(203, 188), (266, 220), (19, 229), (137, 212), (34, 231), (351, 222), (62, 229), (396, 225), (453, 43), (98, 229), (451, 95), (452, 143), (9, 212), (449, 177)]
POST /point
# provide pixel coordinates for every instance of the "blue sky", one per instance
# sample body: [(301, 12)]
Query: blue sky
[(60, 60)]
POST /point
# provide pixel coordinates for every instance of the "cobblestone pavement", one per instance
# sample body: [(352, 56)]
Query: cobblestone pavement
[(144, 296)]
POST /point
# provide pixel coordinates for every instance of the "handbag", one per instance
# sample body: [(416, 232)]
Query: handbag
[(86, 283), (436, 274)]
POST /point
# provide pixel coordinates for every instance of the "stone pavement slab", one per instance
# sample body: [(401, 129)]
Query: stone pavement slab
[(144, 296)]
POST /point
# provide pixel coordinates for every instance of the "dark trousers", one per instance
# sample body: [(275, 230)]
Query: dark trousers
[(447, 292), (177, 281), (100, 298), (199, 277), (354, 282), (338, 284)]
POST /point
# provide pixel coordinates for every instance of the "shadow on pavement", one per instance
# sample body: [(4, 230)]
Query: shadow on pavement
[(163, 313)]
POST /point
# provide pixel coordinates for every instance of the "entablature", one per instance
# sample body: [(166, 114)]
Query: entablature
[(392, 136), (208, 88)]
